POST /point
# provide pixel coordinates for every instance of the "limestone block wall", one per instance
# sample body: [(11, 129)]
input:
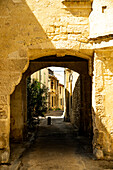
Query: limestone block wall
[(59, 23), (102, 104), (11, 69), (101, 30), (43, 25), (18, 111)]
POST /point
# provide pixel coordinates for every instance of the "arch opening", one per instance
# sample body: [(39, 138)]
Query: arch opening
[(77, 108)]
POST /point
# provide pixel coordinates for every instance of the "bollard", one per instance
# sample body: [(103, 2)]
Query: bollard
[(49, 121)]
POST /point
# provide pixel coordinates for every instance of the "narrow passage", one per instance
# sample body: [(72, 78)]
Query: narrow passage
[(58, 148)]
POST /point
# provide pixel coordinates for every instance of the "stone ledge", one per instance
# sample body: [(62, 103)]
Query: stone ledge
[(78, 4), (78, 8), (101, 38)]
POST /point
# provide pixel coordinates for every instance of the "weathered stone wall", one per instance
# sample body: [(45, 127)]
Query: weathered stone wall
[(76, 101), (101, 33), (18, 111), (85, 111), (10, 75), (43, 25), (63, 28), (81, 116), (102, 104)]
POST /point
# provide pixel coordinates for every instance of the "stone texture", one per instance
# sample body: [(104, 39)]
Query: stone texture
[(103, 104), (3, 111), (4, 156), (33, 29), (99, 154)]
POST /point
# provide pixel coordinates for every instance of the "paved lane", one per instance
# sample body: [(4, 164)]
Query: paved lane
[(58, 148)]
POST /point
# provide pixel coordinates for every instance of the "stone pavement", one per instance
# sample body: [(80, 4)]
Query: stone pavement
[(58, 148)]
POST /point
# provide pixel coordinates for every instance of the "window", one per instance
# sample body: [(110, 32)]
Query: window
[(60, 90), (51, 84), (61, 101), (55, 85), (52, 101), (103, 8)]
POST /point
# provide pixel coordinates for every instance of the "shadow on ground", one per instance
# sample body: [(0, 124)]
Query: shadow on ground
[(57, 147)]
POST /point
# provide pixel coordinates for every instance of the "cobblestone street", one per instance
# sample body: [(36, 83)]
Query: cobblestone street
[(58, 148)]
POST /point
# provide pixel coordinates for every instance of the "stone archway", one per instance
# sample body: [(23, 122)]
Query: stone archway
[(13, 76), (18, 98), (12, 69)]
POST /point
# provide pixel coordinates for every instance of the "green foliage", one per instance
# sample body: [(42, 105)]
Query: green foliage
[(50, 109), (36, 99), (57, 109), (54, 109)]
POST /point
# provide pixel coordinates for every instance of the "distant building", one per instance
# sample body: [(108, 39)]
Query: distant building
[(55, 92), (50, 72), (41, 76), (55, 89), (61, 96)]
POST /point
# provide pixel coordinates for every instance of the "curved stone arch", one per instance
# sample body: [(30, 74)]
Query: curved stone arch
[(19, 78), (80, 67), (24, 57), (35, 54), (33, 67), (75, 63)]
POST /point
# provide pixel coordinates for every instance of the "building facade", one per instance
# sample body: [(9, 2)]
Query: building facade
[(55, 92), (41, 76), (61, 96)]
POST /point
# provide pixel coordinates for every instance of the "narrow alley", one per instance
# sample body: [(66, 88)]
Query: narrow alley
[(58, 147)]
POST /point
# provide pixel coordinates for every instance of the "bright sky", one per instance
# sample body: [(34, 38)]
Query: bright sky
[(59, 73)]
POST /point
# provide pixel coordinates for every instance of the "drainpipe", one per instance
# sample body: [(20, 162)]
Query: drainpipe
[(70, 94), (64, 95)]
